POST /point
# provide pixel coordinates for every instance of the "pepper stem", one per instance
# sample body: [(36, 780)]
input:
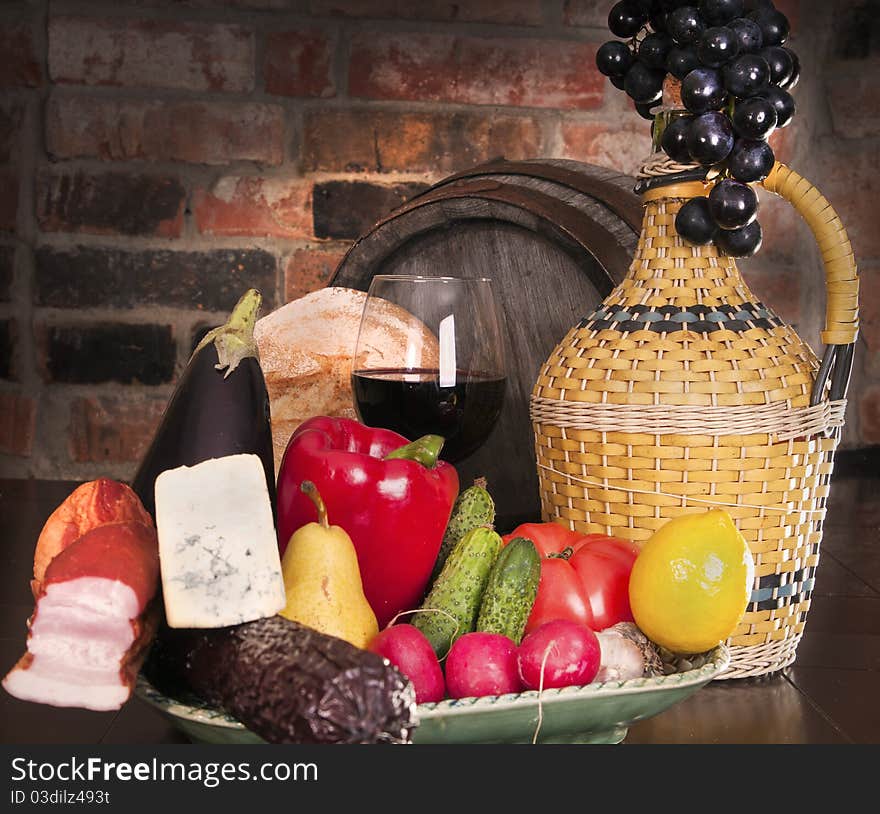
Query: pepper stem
[(424, 450), (308, 488), (562, 555), (234, 340)]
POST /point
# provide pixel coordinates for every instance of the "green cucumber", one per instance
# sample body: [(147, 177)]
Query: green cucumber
[(474, 507), (459, 589), (511, 590)]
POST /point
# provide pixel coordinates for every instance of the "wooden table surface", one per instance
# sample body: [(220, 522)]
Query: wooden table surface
[(828, 696)]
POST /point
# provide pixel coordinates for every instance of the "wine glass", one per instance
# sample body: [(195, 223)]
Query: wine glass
[(430, 360)]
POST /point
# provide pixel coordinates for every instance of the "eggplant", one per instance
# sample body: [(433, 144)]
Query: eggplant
[(219, 407)]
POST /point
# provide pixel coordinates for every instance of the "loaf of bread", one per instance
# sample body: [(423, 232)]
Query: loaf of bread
[(306, 349)]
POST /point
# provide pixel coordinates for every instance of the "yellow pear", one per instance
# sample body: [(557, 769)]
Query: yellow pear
[(323, 581)]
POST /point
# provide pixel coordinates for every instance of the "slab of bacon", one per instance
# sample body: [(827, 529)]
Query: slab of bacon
[(96, 577)]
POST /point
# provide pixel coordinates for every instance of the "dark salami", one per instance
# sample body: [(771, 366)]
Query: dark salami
[(288, 683)]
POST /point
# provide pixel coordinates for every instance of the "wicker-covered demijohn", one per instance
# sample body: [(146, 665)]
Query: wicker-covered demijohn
[(682, 392)]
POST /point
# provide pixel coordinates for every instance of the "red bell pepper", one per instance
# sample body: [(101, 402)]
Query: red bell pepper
[(393, 499)]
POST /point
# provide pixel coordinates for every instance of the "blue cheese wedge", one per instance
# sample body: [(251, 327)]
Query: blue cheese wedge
[(218, 552)]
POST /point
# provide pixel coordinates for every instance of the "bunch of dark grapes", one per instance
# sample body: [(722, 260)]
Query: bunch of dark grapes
[(736, 76)]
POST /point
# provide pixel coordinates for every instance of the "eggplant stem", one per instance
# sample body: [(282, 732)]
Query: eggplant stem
[(234, 340), (308, 488)]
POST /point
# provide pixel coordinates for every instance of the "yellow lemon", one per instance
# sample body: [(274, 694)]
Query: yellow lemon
[(691, 582)]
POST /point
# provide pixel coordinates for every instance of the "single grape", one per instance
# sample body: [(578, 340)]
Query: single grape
[(643, 84), (743, 242), (654, 49), (695, 223), (685, 25), (780, 61), (782, 101), (681, 61), (774, 25), (719, 12), (750, 160), (644, 110), (733, 204), (658, 20), (626, 18), (717, 46), (614, 58), (746, 75), (703, 90), (754, 118), (674, 140), (795, 71), (710, 138), (748, 34)]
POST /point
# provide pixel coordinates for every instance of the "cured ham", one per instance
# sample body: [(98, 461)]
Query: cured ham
[(90, 505), (96, 603)]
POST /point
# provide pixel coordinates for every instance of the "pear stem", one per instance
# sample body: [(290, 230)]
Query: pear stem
[(308, 488)]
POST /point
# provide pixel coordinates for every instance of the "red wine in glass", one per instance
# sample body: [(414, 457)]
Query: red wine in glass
[(413, 403), (430, 360)]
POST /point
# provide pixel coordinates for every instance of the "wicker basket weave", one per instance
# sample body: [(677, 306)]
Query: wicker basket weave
[(682, 392)]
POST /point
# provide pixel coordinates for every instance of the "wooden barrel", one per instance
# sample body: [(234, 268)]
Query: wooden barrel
[(554, 235)]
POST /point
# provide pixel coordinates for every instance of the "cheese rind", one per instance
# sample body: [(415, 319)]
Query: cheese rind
[(218, 552)]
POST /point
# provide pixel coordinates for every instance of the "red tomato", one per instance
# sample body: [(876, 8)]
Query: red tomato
[(561, 595), (549, 538), (603, 566)]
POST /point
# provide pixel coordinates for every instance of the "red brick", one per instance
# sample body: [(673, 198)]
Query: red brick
[(151, 53), (18, 420), (623, 148), (776, 285), (96, 351), (869, 415), (112, 430), (10, 131), (588, 13), (199, 132), (19, 64), (299, 63), (473, 70), (512, 12), (308, 270), (8, 200), (855, 105), (345, 210), (110, 203), (869, 305), (848, 174), (382, 141), (255, 207)]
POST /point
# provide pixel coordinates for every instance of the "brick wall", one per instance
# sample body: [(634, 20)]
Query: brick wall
[(158, 156)]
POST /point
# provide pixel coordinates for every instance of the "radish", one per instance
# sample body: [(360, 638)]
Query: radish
[(408, 649), (482, 664), (562, 652)]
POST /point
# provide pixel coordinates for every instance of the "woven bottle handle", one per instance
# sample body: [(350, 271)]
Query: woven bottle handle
[(841, 275)]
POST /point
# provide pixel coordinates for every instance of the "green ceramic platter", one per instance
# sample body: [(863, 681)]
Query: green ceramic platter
[(596, 713)]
